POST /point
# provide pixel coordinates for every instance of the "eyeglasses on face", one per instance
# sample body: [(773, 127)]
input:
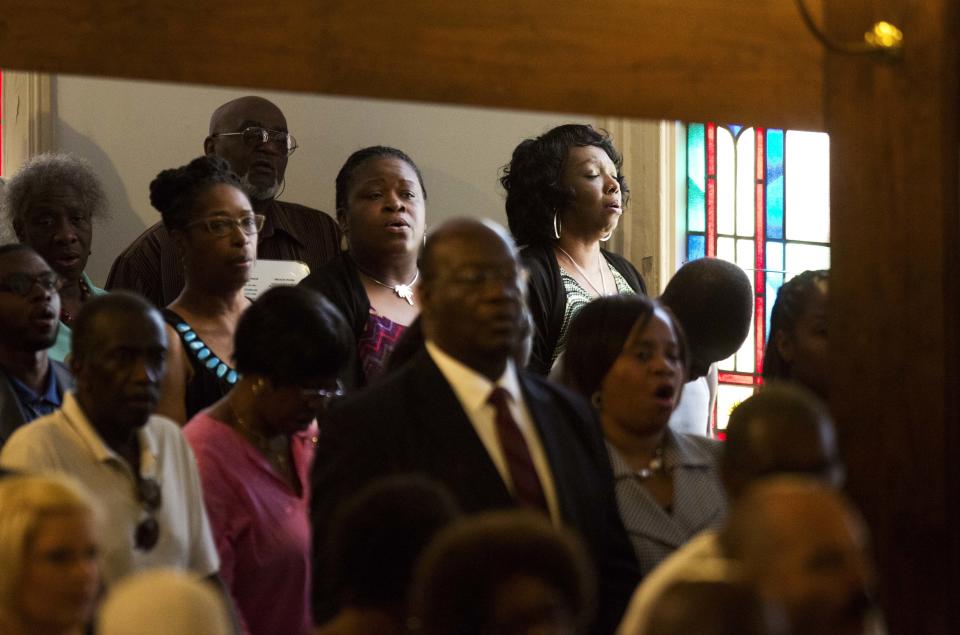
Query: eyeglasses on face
[(475, 278), (147, 532), (318, 394), (256, 136), (221, 226), (22, 284)]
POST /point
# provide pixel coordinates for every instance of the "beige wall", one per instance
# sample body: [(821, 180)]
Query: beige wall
[(129, 131)]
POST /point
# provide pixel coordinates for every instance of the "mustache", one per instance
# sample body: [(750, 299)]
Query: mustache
[(259, 193)]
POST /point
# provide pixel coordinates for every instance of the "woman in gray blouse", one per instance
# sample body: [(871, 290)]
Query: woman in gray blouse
[(627, 354)]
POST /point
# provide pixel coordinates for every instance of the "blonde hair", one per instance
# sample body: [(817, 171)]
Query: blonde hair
[(24, 502)]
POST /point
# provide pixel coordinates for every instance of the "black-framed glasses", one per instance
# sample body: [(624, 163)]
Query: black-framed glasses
[(221, 226), (256, 136), (147, 532), (22, 284), (322, 394)]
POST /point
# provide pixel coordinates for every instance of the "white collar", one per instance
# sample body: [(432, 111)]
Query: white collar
[(472, 388), (77, 419)]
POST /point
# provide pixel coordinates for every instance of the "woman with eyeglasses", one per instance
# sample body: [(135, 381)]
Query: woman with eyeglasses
[(214, 229), (49, 575), (381, 208), (52, 202), (254, 450), (565, 196)]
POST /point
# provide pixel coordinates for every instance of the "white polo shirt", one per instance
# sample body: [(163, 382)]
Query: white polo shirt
[(66, 442)]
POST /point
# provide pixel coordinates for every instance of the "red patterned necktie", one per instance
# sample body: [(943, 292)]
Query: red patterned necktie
[(526, 484)]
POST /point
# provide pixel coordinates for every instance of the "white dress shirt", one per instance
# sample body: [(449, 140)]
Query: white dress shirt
[(692, 414), (472, 391)]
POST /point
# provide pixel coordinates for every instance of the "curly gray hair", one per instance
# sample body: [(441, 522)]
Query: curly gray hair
[(53, 173)]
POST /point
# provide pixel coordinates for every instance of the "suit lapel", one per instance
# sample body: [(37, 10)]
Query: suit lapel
[(698, 499), (641, 514), (455, 453), (545, 416)]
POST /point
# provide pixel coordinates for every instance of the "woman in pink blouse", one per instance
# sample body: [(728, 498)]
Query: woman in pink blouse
[(254, 448)]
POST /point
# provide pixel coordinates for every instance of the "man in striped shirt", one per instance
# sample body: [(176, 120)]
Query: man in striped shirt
[(251, 134)]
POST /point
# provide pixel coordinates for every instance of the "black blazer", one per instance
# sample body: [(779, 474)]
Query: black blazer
[(411, 421), (12, 415), (340, 282), (547, 298)]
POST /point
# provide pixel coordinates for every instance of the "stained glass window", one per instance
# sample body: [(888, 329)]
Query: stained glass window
[(758, 197)]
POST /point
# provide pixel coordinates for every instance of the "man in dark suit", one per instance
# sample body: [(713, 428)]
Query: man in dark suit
[(31, 384), (461, 413)]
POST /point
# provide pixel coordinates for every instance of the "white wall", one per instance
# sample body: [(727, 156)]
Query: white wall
[(129, 131)]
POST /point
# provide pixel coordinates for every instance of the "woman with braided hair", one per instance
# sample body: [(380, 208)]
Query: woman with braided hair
[(797, 345)]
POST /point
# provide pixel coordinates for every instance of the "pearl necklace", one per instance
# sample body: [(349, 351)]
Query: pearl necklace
[(603, 283), (656, 465), (403, 291)]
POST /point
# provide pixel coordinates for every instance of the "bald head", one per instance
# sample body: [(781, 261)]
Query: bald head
[(713, 302), (471, 293), (260, 165), (226, 116), (782, 429), (454, 233), (804, 547)]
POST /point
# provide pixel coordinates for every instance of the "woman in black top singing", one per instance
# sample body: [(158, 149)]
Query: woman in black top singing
[(215, 230), (381, 208), (565, 196)]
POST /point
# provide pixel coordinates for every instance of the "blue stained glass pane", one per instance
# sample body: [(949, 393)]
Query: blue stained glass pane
[(696, 247), (696, 178), (775, 184), (735, 129)]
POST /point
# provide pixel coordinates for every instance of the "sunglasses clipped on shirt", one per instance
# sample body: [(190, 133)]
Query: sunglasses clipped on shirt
[(22, 284), (256, 136), (147, 532)]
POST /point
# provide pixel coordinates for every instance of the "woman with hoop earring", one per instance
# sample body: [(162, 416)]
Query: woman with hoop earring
[(565, 196)]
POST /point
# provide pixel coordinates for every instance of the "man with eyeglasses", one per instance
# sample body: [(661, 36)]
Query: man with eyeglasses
[(251, 134), (31, 384), (106, 436), (461, 412)]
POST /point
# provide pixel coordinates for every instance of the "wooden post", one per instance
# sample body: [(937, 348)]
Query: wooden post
[(895, 316)]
